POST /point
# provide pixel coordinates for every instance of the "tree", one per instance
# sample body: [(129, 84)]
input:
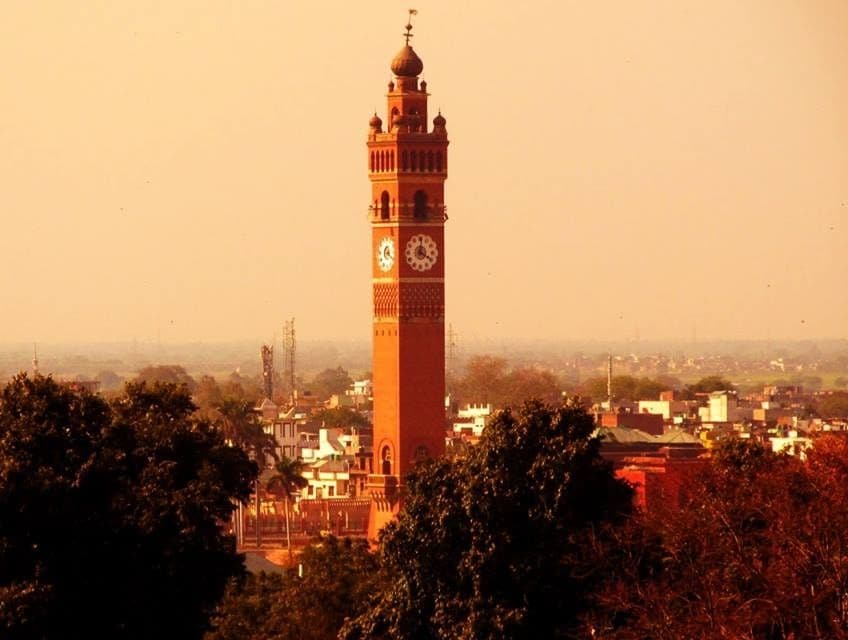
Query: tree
[(759, 551), (832, 405), (483, 381), (330, 382), (341, 417), (624, 388), (287, 478), (240, 425), (207, 396), (710, 384), (109, 380), (110, 513), (166, 374), (496, 545), (338, 577)]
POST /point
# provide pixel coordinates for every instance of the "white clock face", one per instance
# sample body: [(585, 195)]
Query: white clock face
[(421, 252), (386, 254)]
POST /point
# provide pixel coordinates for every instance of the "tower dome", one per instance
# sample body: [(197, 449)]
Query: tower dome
[(375, 122), (407, 64)]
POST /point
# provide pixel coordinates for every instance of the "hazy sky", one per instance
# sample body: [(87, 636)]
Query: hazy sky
[(197, 169)]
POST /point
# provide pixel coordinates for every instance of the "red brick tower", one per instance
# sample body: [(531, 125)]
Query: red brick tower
[(407, 166)]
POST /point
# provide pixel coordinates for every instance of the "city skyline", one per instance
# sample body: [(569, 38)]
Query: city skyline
[(197, 171)]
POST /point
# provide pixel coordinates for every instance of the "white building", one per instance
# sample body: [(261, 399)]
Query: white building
[(472, 418)]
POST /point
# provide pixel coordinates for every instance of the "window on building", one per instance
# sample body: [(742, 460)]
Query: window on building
[(420, 205), (384, 206), (386, 457)]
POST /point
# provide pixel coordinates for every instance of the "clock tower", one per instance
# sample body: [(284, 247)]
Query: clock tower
[(407, 166)]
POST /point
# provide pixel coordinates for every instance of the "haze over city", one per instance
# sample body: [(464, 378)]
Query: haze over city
[(196, 170)]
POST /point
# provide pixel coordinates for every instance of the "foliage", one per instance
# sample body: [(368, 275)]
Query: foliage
[(338, 577), (496, 545), (341, 417), (832, 405), (710, 384), (239, 423), (489, 380), (165, 374), (287, 479), (110, 513), (109, 380), (624, 388), (758, 552), (330, 382)]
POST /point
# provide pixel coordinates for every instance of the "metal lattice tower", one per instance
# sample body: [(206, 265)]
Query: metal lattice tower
[(289, 351), (452, 348), (268, 370)]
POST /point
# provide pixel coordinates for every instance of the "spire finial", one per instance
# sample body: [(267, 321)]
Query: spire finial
[(408, 34)]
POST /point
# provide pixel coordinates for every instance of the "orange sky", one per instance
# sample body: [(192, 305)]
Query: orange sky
[(196, 169)]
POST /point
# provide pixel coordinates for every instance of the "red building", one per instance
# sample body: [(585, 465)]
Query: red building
[(407, 166)]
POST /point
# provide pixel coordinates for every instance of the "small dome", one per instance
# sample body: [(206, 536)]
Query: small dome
[(439, 120), (406, 63), (375, 122)]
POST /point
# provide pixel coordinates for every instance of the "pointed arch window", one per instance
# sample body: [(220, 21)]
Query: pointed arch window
[(420, 205), (384, 206), (386, 460)]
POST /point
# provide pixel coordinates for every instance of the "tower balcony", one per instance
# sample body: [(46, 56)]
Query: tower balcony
[(384, 490), (406, 212)]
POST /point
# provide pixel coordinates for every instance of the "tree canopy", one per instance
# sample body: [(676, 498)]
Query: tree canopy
[(759, 551), (166, 374), (338, 578), (710, 384), (495, 545), (330, 382), (110, 514), (341, 417), (488, 379), (624, 388)]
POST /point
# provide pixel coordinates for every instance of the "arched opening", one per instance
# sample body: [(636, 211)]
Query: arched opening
[(422, 161), (372, 161), (439, 161), (384, 206), (413, 161), (392, 160), (430, 161), (420, 205), (395, 113), (382, 161), (386, 458), (404, 161)]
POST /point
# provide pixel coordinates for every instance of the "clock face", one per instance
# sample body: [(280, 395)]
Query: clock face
[(421, 252), (386, 254)]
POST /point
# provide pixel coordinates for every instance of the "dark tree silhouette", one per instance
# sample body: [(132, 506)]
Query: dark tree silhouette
[(110, 515)]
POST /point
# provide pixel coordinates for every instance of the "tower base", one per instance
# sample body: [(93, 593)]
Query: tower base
[(385, 492)]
